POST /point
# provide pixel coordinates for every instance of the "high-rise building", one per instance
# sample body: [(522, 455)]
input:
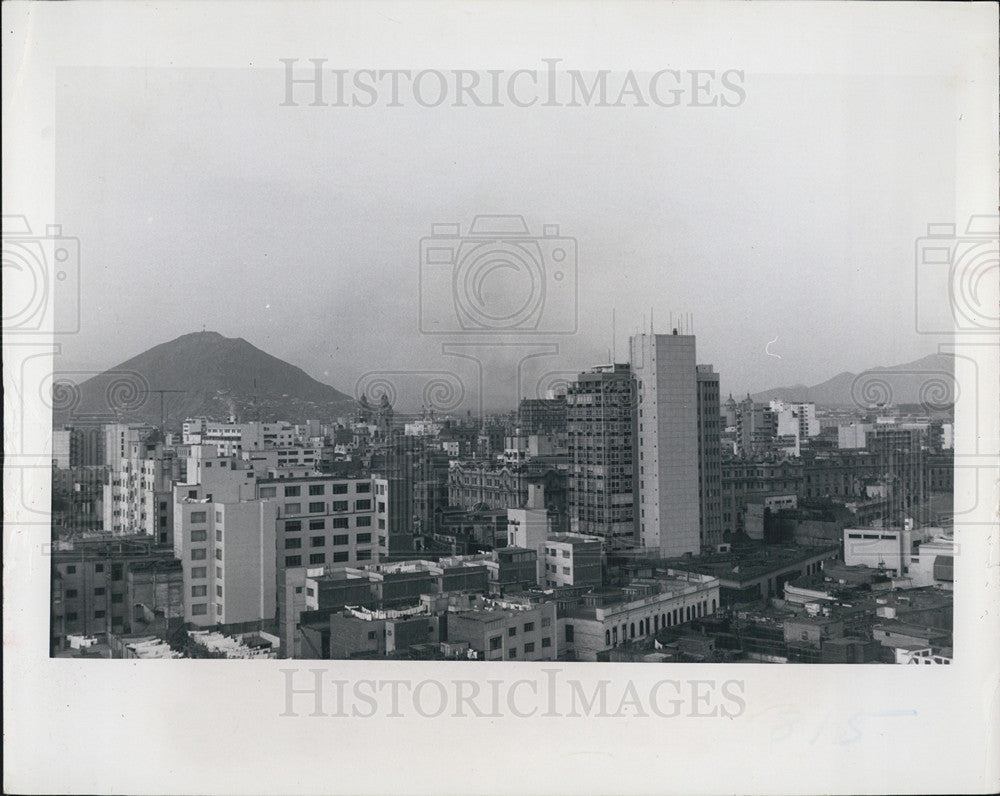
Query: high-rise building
[(709, 456), (668, 503), (600, 417), (756, 428)]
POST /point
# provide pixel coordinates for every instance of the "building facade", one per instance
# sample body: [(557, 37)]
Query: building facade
[(600, 422), (668, 505)]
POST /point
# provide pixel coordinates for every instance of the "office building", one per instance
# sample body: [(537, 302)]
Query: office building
[(600, 419), (668, 500)]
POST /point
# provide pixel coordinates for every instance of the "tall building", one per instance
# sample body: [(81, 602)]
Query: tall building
[(756, 428), (668, 503), (600, 417), (709, 456)]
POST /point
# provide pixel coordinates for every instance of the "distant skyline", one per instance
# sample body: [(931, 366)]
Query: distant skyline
[(784, 226)]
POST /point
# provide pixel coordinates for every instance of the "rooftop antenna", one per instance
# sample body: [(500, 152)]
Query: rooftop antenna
[(614, 347)]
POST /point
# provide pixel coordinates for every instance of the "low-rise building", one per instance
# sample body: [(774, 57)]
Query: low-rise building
[(603, 619), (509, 631)]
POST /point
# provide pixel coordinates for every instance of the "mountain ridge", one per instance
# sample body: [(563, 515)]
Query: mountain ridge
[(929, 380), (201, 373)]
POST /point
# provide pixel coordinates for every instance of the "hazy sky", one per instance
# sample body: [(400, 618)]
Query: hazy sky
[(200, 201)]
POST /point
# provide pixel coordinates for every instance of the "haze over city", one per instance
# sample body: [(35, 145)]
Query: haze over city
[(292, 228)]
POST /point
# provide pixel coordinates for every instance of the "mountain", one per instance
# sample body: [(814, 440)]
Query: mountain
[(218, 375), (929, 381)]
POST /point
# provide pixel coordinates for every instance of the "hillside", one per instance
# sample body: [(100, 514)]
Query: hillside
[(219, 376), (929, 380)]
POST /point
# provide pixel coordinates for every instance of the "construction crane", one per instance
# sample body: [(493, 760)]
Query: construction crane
[(163, 430)]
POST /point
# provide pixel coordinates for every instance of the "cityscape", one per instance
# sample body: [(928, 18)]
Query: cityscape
[(631, 514)]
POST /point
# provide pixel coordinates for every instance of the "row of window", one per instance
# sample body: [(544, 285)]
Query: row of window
[(337, 557), (314, 489), (293, 526), (99, 591), (198, 573), (320, 507), (338, 540), (529, 647)]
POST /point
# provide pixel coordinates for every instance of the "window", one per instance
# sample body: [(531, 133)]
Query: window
[(364, 555), (199, 591), (71, 570), (317, 489), (565, 553), (199, 536), (339, 522), (569, 633), (371, 635), (529, 627), (198, 554), (511, 632), (268, 491), (338, 505), (99, 591), (218, 554), (381, 506), (364, 538), (317, 541), (317, 525), (192, 494), (565, 570), (293, 491), (366, 522), (199, 516), (529, 647), (98, 614), (338, 489), (218, 591), (340, 556), (199, 609), (546, 642), (317, 508), (218, 609), (317, 558), (495, 643), (218, 516), (293, 561), (381, 541), (363, 487), (381, 522), (512, 653), (70, 594), (99, 568), (293, 508), (199, 572), (293, 543), (339, 539), (362, 505), (293, 526), (218, 572), (218, 534)]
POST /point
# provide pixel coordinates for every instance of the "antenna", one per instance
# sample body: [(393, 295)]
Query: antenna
[(614, 347)]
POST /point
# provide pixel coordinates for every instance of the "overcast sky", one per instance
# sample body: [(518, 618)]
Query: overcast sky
[(789, 220)]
